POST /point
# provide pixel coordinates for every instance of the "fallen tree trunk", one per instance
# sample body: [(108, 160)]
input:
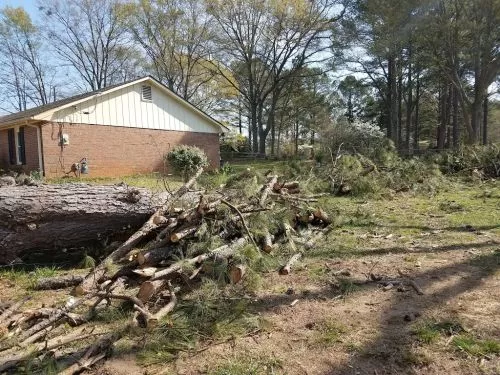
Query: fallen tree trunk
[(48, 218), (51, 283), (12, 309)]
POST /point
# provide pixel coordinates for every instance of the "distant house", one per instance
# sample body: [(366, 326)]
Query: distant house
[(119, 130)]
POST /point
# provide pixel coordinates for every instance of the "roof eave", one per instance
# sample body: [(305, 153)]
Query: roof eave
[(17, 122)]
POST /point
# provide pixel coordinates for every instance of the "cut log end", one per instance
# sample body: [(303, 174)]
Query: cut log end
[(287, 268), (236, 273), (267, 242)]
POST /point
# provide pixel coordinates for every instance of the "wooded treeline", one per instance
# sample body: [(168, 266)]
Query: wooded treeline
[(280, 71)]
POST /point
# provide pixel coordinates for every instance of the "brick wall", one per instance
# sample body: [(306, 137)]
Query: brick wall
[(117, 151), (4, 150), (31, 150), (31, 147)]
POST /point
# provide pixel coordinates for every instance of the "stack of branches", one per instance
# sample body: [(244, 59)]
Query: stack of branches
[(346, 169), (151, 269)]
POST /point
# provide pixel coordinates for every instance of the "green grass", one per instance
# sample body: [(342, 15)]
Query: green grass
[(247, 365), (25, 278), (347, 287), (113, 314), (489, 263), (205, 314), (153, 181), (429, 332), (328, 333), (87, 262), (414, 358), (475, 347)]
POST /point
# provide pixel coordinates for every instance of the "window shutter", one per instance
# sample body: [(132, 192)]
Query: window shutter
[(147, 95), (12, 147), (20, 142)]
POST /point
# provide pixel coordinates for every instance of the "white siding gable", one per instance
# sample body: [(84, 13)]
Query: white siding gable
[(125, 107)]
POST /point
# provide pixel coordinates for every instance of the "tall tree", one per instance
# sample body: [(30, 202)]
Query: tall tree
[(23, 72), (177, 39), (264, 44), (375, 36), (87, 35), (355, 95), (464, 38)]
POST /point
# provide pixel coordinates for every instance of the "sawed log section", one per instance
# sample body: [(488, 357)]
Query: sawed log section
[(49, 218)]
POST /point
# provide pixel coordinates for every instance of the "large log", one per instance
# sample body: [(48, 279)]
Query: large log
[(48, 218)]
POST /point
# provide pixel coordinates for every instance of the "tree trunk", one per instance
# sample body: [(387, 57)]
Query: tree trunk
[(350, 110), (60, 282), (441, 131), (296, 138), (409, 104), (392, 101), (49, 218), (400, 103), (448, 115), (416, 134), (254, 126), (273, 135), (485, 121), (476, 110), (271, 123), (456, 128)]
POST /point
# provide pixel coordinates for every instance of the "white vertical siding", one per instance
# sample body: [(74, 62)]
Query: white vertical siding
[(125, 107)]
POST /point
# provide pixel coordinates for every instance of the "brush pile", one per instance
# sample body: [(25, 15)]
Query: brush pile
[(177, 246)]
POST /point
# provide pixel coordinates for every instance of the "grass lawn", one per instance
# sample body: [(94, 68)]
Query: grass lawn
[(153, 181)]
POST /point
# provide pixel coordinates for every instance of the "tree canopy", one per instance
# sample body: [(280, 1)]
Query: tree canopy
[(279, 72)]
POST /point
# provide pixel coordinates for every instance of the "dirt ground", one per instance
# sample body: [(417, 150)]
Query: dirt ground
[(337, 314), (376, 339), (457, 266)]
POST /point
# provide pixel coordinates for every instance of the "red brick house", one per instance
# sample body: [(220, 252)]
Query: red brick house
[(121, 130)]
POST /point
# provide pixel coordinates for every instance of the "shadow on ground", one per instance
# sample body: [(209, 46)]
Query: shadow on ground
[(386, 354)]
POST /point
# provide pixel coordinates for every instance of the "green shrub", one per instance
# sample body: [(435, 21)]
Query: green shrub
[(484, 161), (186, 160), (234, 142)]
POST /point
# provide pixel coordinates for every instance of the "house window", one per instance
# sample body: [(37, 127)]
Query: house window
[(17, 150), (147, 95), (21, 150)]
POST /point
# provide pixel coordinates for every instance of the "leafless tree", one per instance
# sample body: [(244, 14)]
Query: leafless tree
[(89, 37), (24, 75)]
